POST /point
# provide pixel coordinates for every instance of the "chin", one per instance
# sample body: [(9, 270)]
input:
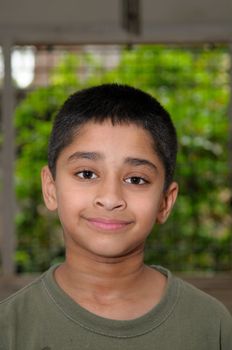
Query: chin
[(115, 255)]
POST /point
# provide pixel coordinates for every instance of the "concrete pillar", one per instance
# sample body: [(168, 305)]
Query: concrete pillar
[(230, 122), (230, 133), (7, 192)]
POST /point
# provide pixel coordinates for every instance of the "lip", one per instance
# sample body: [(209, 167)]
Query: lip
[(108, 224)]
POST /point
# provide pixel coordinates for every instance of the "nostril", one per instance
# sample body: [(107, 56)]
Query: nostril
[(110, 203), (99, 203)]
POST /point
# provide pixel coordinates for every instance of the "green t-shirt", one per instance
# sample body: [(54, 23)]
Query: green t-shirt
[(43, 317)]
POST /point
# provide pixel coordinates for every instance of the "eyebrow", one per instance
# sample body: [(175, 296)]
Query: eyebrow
[(134, 161), (85, 155), (140, 162)]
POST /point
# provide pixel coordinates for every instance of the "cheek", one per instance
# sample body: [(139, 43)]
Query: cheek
[(71, 202), (146, 208)]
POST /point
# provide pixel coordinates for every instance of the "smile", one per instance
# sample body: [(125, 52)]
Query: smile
[(108, 224)]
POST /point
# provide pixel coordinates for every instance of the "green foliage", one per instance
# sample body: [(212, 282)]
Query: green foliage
[(34, 223), (193, 85)]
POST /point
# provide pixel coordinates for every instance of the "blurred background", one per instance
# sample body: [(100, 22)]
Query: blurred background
[(180, 53)]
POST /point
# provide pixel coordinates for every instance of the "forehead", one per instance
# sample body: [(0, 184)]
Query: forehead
[(123, 135), (114, 144)]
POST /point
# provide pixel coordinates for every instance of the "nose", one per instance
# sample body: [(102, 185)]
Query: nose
[(110, 197)]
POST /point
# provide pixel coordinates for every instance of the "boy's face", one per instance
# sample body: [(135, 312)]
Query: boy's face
[(108, 190)]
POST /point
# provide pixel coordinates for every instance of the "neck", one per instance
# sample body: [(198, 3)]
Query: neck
[(101, 276), (120, 288)]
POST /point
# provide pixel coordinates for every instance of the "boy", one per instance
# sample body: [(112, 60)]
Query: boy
[(111, 162)]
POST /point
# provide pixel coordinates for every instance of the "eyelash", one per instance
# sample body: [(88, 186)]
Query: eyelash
[(144, 182), (132, 178), (85, 172)]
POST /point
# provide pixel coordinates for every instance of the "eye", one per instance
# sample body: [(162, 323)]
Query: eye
[(136, 180), (86, 175)]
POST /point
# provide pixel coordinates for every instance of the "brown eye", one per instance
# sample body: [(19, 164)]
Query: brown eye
[(86, 175), (136, 180)]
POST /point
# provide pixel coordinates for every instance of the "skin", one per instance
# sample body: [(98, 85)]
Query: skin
[(108, 193)]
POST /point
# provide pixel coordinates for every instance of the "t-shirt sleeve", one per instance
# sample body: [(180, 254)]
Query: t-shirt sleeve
[(226, 331)]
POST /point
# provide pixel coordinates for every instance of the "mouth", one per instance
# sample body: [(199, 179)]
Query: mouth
[(108, 224)]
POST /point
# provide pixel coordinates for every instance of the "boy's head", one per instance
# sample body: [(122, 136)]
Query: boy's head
[(121, 104)]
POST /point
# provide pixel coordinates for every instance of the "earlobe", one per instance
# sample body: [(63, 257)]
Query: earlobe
[(167, 203), (48, 189)]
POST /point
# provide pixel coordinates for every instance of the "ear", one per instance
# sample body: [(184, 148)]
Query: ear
[(48, 188), (167, 203)]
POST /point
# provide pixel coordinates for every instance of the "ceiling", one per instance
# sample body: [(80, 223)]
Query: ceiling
[(91, 21)]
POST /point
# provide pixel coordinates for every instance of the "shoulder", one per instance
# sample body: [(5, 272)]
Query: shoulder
[(203, 306), (190, 298), (192, 295), (16, 309), (21, 300), (208, 313)]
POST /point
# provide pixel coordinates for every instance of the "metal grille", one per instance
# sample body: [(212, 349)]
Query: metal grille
[(193, 83)]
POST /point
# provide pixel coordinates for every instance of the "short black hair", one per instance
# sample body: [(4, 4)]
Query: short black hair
[(122, 104)]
